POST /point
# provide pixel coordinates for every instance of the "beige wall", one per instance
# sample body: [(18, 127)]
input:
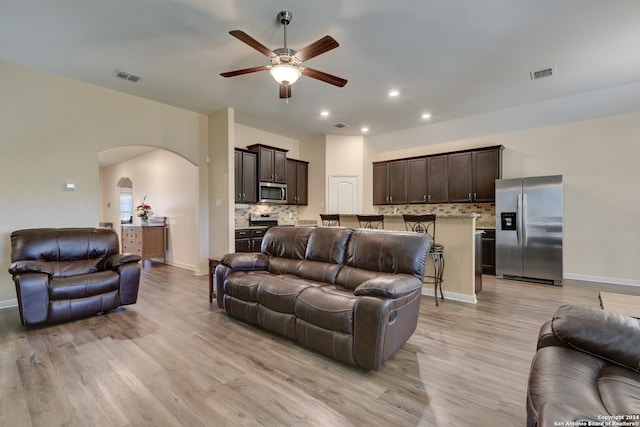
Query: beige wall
[(245, 136), (170, 183), (52, 131), (598, 160)]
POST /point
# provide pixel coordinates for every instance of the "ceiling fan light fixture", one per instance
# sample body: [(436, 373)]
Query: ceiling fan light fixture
[(285, 73)]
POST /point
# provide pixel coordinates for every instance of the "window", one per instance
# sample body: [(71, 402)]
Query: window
[(126, 205)]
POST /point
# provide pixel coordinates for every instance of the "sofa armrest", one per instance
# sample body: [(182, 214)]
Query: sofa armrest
[(553, 414), (114, 261), (605, 334), (30, 266), (389, 286), (246, 261), (32, 290)]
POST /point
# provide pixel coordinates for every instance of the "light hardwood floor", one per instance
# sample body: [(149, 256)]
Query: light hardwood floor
[(173, 359)]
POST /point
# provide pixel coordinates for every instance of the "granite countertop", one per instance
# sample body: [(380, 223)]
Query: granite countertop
[(399, 215)]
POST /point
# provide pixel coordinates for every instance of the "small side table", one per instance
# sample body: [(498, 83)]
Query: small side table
[(213, 263)]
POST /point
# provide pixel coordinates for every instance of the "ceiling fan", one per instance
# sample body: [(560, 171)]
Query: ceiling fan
[(286, 64)]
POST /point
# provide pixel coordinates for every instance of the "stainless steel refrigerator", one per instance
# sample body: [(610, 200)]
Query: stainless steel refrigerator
[(529, 229)]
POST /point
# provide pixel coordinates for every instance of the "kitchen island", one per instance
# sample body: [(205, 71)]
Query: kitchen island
[(457, 234)]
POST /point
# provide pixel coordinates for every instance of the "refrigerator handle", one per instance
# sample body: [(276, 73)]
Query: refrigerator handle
[(524, 218), (519, 218)]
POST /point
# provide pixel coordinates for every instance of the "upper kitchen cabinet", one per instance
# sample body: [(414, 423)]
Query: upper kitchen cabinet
[(246, 169), (297, 182), (460, 186), (272, 163), (437, 179), (390, 182), (487, 167), (472, 175), (417, 180), (427, 179)]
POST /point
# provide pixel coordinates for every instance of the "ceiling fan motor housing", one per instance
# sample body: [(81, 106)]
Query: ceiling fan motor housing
[(285, 17)]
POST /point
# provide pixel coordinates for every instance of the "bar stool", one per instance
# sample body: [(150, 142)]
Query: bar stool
[(426, 224), (371, 221), (330, 220)]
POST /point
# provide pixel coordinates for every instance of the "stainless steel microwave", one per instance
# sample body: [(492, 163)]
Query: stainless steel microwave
[(272, 192)]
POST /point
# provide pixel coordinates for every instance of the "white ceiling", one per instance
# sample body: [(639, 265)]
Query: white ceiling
[(453, 58)]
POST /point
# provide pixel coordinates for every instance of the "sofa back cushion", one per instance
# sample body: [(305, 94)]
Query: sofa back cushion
[(388, 251), (328, 244), (286, 242), (68, 251)]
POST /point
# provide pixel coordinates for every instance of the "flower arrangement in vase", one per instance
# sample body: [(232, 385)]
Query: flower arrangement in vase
[(144, 211)]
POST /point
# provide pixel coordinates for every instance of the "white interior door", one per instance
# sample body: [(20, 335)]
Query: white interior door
[(343, 194)]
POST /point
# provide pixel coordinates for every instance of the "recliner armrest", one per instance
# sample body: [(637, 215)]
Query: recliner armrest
[(389, 286), (30, 266), (605, 334), (114, 261), (246, 261)]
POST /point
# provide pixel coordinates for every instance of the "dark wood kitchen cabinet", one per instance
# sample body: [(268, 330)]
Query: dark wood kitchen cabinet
[(297, 182), (249, 239), (487, 167), (272, 163), (437, 179), (427, 179), (246, 169), (489, 251), (390, 182), (472, 175)]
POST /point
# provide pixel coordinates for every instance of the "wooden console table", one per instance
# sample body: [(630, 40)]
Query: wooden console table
[(146, 241), (629, 305)]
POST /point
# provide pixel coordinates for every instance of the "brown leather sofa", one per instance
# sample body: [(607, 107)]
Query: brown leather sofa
[(66, 273), (586, 370), (353, 295)]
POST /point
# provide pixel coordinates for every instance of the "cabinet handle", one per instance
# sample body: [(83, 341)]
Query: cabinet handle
[(424, 197), (429, 198), (244, 196), (390, 199), (475, 196), (469, 196)]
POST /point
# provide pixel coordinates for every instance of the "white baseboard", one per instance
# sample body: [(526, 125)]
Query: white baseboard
[(8, 304), (611, 280), (470, 299)]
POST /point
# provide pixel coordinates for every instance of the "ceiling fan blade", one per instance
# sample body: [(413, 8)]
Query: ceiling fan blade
[(316, 48), (285, 91), (246, 38), (325, 77), (244, 71)]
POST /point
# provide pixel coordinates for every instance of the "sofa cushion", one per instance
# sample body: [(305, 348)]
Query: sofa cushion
[(620, 390), (280, 265), (328, 244), (319, 271), (351, 278), (279, 293), (388, 251), (562, 374), (243, 285), (611, 336), (83, 285), (330, 307), (286, 242)]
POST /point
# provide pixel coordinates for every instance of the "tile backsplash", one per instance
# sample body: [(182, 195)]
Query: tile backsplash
[(487, 211), (285, 212)]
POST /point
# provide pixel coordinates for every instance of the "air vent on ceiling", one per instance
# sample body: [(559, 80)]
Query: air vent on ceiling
[(545, 72), (128, 76), (340, 125)]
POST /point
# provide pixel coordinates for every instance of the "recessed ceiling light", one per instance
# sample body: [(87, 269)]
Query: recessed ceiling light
[(426, 116), (394, 92), (324, 113), (364, 129)]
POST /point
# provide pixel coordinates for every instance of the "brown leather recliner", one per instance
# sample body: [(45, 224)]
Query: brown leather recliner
[(586, 370), (353, 295), (66, 273)]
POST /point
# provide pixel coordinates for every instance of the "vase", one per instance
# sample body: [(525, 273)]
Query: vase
[(144, 221)]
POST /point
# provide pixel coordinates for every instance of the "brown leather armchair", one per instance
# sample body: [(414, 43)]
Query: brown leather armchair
[(66, 273)]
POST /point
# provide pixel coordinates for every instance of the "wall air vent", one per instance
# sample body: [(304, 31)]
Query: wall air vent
[(340, 125), (545, 72), (128, 76)]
